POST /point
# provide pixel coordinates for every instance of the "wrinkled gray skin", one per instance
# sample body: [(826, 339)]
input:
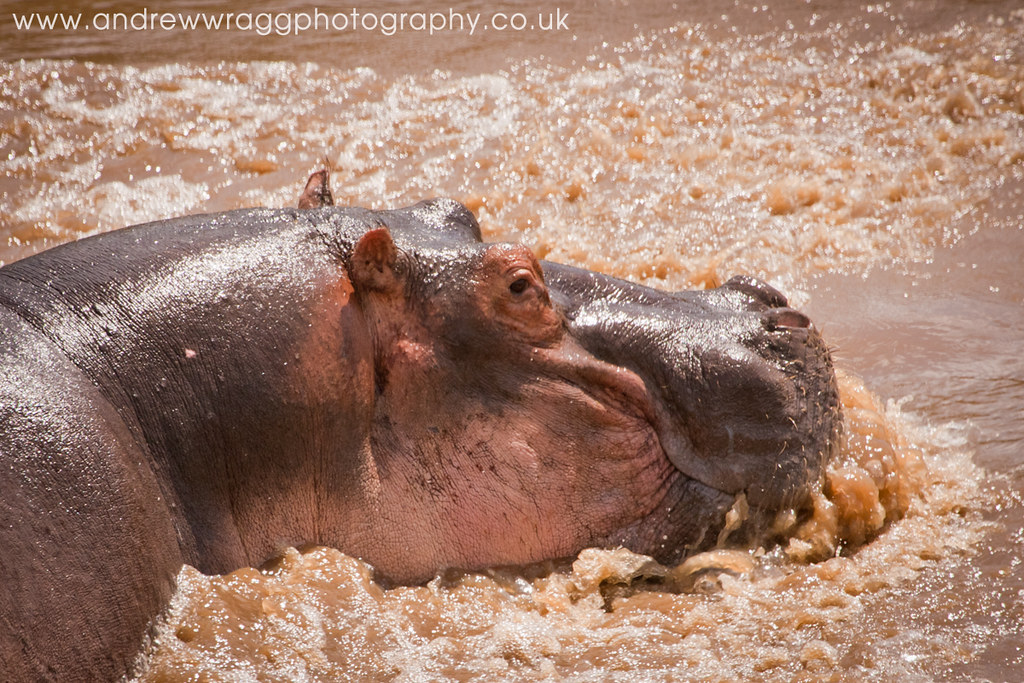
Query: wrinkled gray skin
[(211, 389)]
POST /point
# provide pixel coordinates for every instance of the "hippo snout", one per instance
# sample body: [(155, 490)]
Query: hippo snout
[(742, 384), (763, 415)]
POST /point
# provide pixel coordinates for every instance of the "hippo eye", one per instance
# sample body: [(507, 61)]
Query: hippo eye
[(519, 286)]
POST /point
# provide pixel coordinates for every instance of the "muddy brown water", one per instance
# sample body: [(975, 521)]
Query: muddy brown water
[(867, 158)]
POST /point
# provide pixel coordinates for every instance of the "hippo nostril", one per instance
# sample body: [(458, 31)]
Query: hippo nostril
[(785, 317), (758, 289)]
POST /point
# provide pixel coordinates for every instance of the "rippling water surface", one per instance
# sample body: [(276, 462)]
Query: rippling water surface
[(867, 158)]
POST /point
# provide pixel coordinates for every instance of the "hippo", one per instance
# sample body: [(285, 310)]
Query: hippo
[(215, 388)]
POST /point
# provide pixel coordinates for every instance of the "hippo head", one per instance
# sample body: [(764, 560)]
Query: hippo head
[(532, 409)]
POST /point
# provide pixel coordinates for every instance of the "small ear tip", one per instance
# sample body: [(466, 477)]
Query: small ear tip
[(317, 192)]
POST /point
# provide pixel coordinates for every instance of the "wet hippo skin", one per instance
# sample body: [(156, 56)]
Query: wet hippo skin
[(211, 389)]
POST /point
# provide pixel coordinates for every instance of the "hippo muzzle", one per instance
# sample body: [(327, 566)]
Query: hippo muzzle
[(742, 389)]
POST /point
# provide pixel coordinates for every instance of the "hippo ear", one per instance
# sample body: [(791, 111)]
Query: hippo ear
[(317, 192), (373, 262)]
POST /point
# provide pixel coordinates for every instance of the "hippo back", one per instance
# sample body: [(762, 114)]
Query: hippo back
[(89, 551)]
